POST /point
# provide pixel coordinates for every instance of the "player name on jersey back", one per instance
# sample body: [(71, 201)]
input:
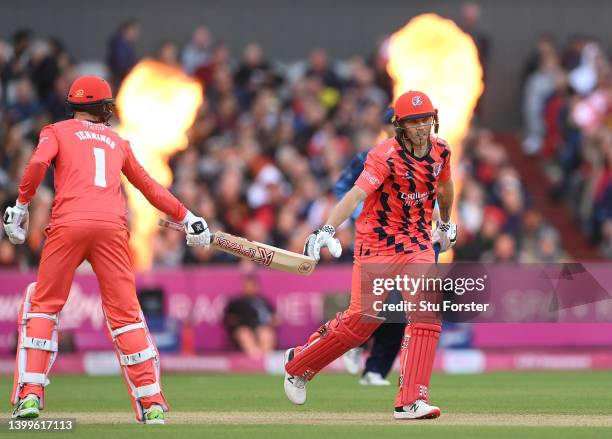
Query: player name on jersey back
[(88, 135)]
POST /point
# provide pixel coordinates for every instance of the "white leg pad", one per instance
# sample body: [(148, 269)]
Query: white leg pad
[(138, 357), (127, 360), (39, 343), (34, 378), (148, 390), (25, 343), (127, 328)]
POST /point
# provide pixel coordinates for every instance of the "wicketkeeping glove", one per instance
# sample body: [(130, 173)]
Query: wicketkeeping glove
[(445, 235), (324, 237), (198, 233), (15, 223)]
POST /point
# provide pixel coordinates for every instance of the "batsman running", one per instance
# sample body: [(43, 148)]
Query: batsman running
[(400, 183), (89, 222)]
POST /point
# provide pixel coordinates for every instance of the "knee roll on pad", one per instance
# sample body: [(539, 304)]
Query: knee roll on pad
[(334, 339)]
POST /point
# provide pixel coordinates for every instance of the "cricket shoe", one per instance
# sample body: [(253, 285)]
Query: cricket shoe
[(295, 386), (27, 408), (154, 415), (373, 379), (351, 360), (419, 409)]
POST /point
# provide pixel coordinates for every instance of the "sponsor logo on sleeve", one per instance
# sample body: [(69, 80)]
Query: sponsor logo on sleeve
[(372, 179)]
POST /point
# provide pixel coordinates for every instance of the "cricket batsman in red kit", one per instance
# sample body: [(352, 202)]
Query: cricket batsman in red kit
[(402, 179), (89, 222)]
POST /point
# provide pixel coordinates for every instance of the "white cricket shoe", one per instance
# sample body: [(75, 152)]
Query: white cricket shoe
[(352, 360), (417, 410), (373, 379), (295, 386)]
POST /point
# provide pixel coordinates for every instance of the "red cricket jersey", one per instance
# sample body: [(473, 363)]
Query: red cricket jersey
[(89, 159), (401, 188)]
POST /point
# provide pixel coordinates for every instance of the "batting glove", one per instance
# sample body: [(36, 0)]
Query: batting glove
[(198, 233), (445, 235), (324, 237), (15, 223)]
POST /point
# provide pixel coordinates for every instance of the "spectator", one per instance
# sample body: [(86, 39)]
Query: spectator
[(26, 106), (250, 320), (198, 51), (45, 65), (470, 24), (121, 52), (253, 73), (167, 53), (17, 65), (538, 87)]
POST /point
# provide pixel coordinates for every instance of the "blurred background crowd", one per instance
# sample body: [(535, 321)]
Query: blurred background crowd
[(272, 138)]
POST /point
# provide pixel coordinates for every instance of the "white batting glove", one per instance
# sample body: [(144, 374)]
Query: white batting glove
[(198, 233), (15, 221), (324, 237), (445, 235)]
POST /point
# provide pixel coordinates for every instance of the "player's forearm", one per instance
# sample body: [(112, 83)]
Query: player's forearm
[(32, 177), (446, 195), (155, 193), (346, 206), (163, 200)]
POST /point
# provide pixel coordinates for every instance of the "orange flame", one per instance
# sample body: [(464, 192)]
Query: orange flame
[(157, 104), (431, 54)]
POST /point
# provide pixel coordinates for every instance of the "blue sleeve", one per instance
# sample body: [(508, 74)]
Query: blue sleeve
[(347, 179), (349, 175)]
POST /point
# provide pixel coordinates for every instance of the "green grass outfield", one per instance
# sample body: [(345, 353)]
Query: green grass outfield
[(531, 405)]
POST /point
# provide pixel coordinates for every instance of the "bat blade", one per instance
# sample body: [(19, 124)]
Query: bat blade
[(262, 254)]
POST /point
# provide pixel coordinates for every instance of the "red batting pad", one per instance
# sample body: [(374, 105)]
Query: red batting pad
[(416, 362), (330, 341)]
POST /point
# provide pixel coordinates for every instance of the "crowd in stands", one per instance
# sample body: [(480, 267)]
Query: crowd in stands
[(271, 139), (568, 120)]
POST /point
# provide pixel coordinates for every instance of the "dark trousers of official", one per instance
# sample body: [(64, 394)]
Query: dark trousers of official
[(387, 339), (387, 342)]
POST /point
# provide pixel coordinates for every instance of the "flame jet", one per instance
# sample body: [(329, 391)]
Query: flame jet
[(157, 104)]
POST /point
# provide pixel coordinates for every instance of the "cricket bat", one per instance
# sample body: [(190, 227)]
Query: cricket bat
[(257, 252)]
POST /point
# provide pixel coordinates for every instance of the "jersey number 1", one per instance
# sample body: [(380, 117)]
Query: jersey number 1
[(100, 159)]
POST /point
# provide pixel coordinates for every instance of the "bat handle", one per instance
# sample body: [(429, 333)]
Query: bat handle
[(178, 227), (170, 225)]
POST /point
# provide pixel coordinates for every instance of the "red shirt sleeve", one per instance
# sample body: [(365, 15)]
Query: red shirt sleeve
[(41, 159), (157, 195), (445, 174), (375, 171)]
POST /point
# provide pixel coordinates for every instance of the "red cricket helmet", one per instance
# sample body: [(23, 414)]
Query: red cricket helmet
[(93, 95), (89, 90), (413, 105)]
